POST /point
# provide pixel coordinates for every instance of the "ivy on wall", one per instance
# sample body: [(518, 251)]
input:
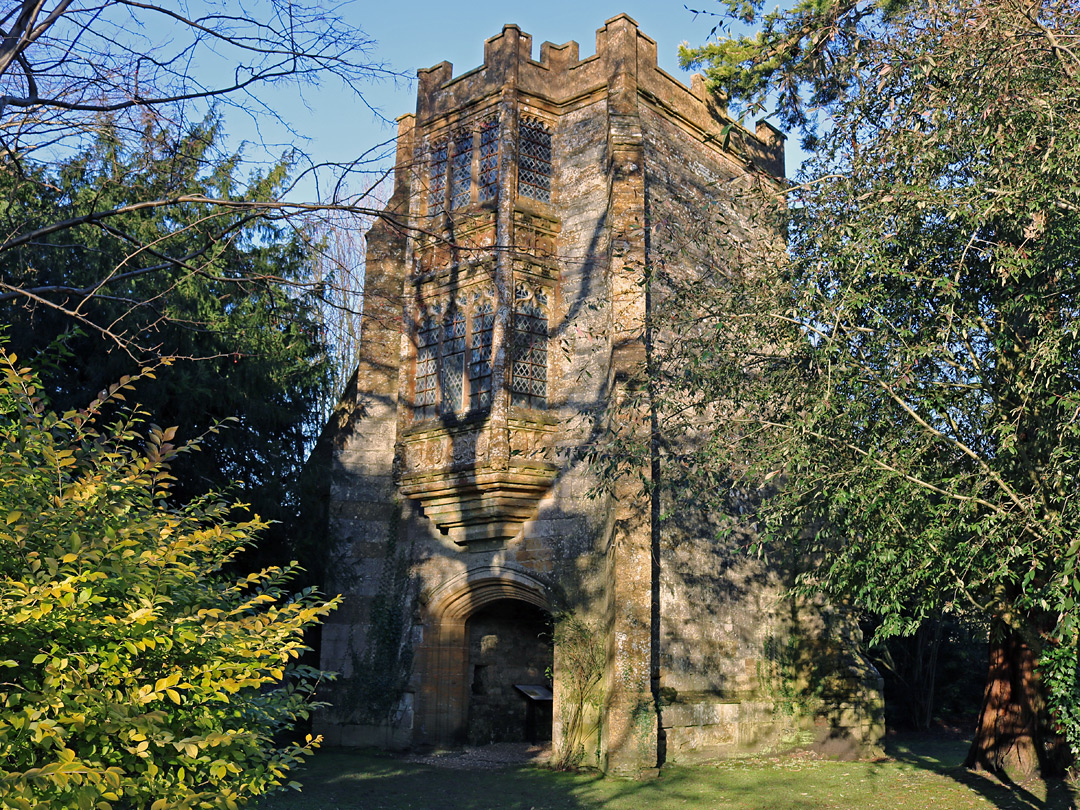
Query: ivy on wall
[(383, 667)]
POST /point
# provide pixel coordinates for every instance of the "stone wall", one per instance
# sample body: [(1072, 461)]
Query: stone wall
[(363, 503), (742, 668)]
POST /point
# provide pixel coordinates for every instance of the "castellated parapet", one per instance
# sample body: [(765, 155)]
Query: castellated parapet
[(505, 319)]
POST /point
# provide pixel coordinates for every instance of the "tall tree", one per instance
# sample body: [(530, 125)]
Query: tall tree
[(921, 402), (130, 236), (225, 298)]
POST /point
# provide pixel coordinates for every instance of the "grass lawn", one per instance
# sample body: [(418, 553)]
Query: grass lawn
[(919, 774)]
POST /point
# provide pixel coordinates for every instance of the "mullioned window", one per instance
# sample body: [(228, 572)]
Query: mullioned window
[(454, 356), (450, 167)]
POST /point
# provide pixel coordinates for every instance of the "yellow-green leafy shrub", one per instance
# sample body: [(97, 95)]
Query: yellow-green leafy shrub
[(133, 672)]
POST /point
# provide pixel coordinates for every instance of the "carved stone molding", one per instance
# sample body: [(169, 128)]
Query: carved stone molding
[(452, 473), (465, 239), (444, 450), (532, 444)]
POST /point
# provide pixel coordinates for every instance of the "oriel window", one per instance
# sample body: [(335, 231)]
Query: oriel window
[(454, 349), (450, 167)]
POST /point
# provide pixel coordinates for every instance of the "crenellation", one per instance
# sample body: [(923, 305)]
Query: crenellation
[(431, 80), (558, 57), (561, 80), (768, 148), (507, 49)]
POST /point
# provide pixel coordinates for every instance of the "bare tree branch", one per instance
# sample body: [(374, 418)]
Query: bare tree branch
[(24, 32)]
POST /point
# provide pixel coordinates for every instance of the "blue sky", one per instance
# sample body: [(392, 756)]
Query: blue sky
[(421, 33)]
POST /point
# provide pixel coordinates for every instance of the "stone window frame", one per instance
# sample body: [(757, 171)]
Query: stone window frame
[(463, 164), (452, 377)]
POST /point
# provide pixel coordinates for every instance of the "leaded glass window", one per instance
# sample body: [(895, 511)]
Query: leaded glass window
[(483, 322), (454, 356), (528, 376), (534, 160), (427, 352), (489, 160), (461, 170), (437, 184), (452, 364)]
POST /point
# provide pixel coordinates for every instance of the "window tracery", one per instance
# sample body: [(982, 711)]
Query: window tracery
[(455, 341), (450, 166), (454, 356), (437, 179), (534, 160), (529, 348)]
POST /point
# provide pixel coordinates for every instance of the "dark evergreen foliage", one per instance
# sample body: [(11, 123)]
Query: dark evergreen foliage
[(209, 290)]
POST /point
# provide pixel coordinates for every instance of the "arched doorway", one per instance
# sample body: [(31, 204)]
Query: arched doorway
[(511, 610), (510, 661)]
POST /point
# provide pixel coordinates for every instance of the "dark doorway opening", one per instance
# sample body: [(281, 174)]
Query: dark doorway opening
[(509, 644)]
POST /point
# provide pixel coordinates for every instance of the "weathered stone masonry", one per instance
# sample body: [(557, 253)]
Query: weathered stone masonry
[(504, 315)]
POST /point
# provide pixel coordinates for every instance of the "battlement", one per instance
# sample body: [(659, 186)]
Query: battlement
[(625, 62)]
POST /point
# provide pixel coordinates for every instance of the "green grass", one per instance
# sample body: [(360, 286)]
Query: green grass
[(918, 774)]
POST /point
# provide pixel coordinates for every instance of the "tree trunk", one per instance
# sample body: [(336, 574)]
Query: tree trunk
[(926, 670), (1013, 733)]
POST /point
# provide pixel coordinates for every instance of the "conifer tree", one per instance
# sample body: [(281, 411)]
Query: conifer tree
[(225, 298)]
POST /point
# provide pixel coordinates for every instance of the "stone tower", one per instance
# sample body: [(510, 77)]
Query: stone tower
[(504, 312)]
